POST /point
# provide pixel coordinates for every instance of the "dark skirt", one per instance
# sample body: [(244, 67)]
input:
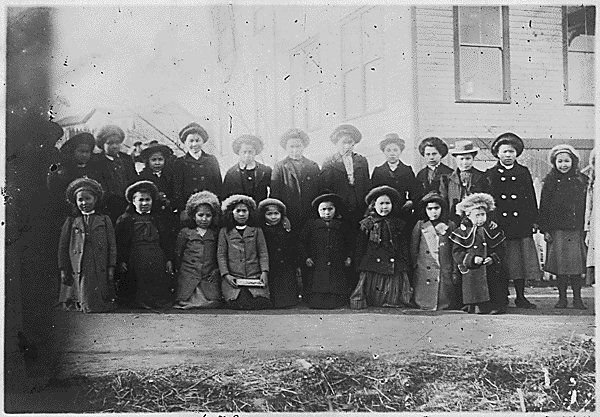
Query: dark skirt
[(245, 301), (566, 254), (148, 263), (326, 301), (381, 290), (283, 287), (522, 259)]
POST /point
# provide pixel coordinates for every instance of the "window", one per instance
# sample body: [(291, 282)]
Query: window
[(306, 76), (362, 63), (579, 30), (481, 54)]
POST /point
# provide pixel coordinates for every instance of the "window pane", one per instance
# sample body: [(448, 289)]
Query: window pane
[(590, 18), (313, 64), (581, 77), (299, 111), (481, 73), (470, 24), (353, 92), (374, 85), (351, 44), (373, 34), (313, 104), (490, 26)]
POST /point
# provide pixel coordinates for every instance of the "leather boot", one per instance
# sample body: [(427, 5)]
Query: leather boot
[(561, 283), (576, 285), (521, 301)]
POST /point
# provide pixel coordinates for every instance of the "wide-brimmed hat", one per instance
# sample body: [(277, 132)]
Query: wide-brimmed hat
[(84, 138), (142, 187), (462, 147), (433, 197), (193, 128), (200, 198), (377, 192), (474, 201), (294, 134), (327, 196), (435, 142), (84, 184), (563, 148), (262, 206), (236, 199), (392, 138), (255, 141), (508, 138), (350, 130), (146, 153), (107, 132)]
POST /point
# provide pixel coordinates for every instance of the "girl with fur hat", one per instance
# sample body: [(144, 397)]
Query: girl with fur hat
[(511, 185), (435, 273), (144, 250), (590, 219), (248, 176), (87, 252), (562, 216), (242, 256), (478, 252), (283, 253), (326, 244), (433, 149), (198, 278), (382, 254)]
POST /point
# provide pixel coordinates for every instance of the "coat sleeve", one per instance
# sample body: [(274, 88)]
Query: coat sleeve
[(377, 178), (223, 253), (415, 242), (179, 247), (545, 209), (304, 243), (589, 205), (459, 254), (112, 242), (177, 184), (348, 238), (415, 187), (216, 174), (532, 207), (261, 250), (326, 177), (64, 260), (367, 179), (362, 241), (268, 175), (277, 182), (123, 234)]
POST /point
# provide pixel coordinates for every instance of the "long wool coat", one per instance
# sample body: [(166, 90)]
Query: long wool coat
[(191, 175), (233, 182), (402, 179), (383, 257), (242, 256), (283, 261), (328, 246), (434, 267), (295, 189), (423, 178), (451, 189), (562, 203)]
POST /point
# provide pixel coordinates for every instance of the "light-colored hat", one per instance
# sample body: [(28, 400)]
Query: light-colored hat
[(474, 201), (294, 134), (107, 132), (84, 184), (236, 199), (255, 141), (200, 198), (392, 138), (462, 147), (193, 128), (350, 130), (560, 149)]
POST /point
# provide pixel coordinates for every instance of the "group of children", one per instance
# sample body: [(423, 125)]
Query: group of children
[(178, 236)]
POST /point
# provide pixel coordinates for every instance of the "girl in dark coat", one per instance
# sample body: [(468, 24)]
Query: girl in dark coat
[(283, 253), (562, 212), (144, 250), (382, 254), (325, 248), (435, 273), (198, 278), (433, 149)]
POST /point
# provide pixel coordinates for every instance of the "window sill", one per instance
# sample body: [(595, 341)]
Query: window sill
[(580, 104), (483, 101)]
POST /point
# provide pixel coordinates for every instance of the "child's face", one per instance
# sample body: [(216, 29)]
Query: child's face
[(327, 210), (392, 153), (464, 162), (85, 200), (272, 215), (383, 205), (194, 142), (82, 153), (432, 156), (294, 148), (156, 162), (240, 214), (345, 145), (507, 154), (247, 153), (142, 202), (478, 216), (564, 162), (433, 210), (112, 146), (203, 216)]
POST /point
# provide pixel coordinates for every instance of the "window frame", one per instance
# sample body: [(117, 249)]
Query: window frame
[(293, 91), (505, 50), (565, 42)]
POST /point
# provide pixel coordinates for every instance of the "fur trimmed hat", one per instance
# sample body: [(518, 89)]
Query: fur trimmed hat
[(262, 206), (377, 192), (508, 138), (255, 141), (560, 149), (474, 201), (154, 148), (294, 134), (392, 138), (236, 199), (434, 142), (107, 132), (84, 184), (193, 128), (349, 130), (142, 187), (463, 147), (83, 138), (327, 196), (206, 198)]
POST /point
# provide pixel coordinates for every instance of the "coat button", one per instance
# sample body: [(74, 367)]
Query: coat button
[(427, 251), (392, 260), (328, 263), (500, 170), (307, 178), (195, 179), (484, 244), (201, 178), (505, 214), (475, 247), (515, 214), (503, 179), (514, 196), (378, 260), (428, 267), (513, 178), (503, 196)]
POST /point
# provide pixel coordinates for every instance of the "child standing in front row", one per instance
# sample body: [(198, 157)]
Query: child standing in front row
[(198, 280), (87, 252), (562, 209), (242, 254)]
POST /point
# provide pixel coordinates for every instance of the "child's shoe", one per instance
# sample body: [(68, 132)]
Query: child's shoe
[(579, 305), (562, 303), (524, 303)]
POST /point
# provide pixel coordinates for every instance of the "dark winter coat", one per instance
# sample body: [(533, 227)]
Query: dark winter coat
[(562, 204), (451, 189), (235, 183), (389, 255), (516, 203), (283, 261), (402, 179), (423, 178), (191, 175)]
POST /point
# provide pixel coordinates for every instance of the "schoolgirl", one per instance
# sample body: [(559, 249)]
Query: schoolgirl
[(198, 278), (156, 170), (382, 253), (144, 250), (242, 256), (325, 249), (87, 252), (478, 253), (434, 271), (283, 253), (562, 213), (511, 185), (433, 149)]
